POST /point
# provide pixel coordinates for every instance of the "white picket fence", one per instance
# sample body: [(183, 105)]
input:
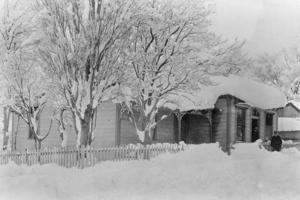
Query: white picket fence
[(71, 157)]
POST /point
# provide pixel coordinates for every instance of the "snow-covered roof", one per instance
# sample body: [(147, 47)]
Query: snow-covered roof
[(295, 103), (252, 92), (288, 124)]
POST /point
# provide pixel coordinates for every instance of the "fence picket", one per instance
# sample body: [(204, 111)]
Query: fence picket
[(74, 161), (126, 153), (88, 157), (56, 154), (85, 157), (92, 156), (108, 154)]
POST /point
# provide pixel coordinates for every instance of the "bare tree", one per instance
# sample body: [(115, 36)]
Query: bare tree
[(15, 28), (281, 70), (30, 92), (171, 49), (83, 42)]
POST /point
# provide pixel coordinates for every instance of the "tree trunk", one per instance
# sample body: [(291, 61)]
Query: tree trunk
[(39, 145), (39, 150), (86, 129), (16, 133), (6, 112), (15, 141), (147, 138), (35, 143)]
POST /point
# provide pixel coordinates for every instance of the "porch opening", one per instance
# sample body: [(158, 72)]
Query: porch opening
[(195, 129), (255, 129), (255, 124), (241, 125), (269, 125)]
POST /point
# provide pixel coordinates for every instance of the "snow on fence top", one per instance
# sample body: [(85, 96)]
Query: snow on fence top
[(288, 124), (252, 92)]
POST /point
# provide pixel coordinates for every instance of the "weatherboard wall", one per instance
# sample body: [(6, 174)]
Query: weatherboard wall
[(220, 122), (164, 129), (104, 134), (289, 111)]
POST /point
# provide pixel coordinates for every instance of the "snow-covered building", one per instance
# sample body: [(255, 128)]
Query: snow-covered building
[(291, 109), (289, 121), (226, 112), (289, 128)]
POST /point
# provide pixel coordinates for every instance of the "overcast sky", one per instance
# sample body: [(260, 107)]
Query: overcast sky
[(267, 25)]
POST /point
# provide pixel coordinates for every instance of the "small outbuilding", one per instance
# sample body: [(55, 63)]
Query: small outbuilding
[(290, 110), (289, 121)]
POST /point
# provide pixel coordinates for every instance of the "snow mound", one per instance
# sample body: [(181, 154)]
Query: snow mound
[(198, 172)]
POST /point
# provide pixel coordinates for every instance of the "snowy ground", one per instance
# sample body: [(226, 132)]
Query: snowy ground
[(200, 172)]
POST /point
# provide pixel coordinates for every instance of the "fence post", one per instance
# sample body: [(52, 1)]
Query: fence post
[(26, 157), (92, 156), (81, 157), (88, 157)]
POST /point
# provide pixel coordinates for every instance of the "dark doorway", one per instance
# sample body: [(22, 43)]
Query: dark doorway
[(269, 125), (195, 129), (255, 130)]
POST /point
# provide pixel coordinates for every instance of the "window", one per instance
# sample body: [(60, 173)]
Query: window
[(241, 115), (269, 119)]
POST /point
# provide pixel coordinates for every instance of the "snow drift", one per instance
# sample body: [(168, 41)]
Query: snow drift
[(199, 172)]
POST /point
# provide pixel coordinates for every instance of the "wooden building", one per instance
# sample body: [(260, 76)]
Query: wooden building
[(222, 115), (291, 109), (289, 121)]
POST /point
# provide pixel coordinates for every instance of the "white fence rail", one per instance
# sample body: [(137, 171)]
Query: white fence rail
[(70, 157)]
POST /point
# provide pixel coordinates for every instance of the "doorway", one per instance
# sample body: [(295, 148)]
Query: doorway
[(255, 129), (269, 125), (195, 129)]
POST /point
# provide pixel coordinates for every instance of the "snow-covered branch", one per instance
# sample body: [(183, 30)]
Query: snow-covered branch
[(172, 49), (83, 43)]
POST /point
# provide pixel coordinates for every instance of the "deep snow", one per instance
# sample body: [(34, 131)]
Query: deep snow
[(200, 172)]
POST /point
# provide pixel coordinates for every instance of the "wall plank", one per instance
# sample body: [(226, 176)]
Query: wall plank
[(104, 135)]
